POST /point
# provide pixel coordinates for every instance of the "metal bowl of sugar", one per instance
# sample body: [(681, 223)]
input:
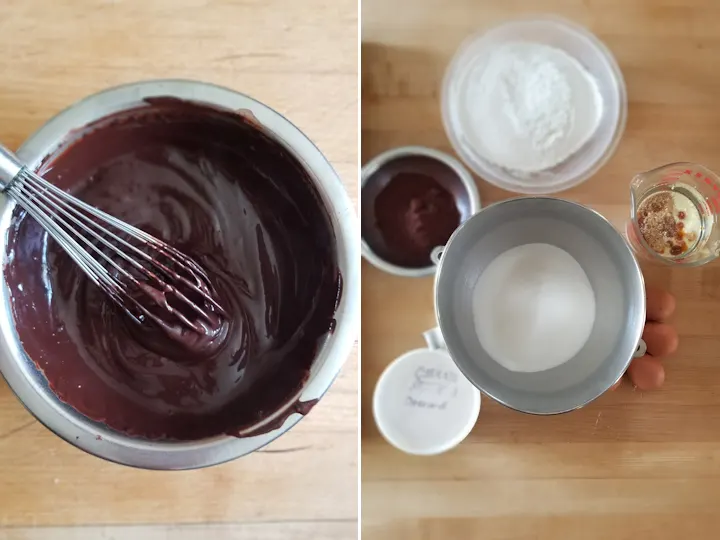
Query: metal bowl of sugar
[(534, 105), (541, 303)]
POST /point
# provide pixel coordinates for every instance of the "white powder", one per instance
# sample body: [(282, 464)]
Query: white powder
[(530, 106), (534, 308)]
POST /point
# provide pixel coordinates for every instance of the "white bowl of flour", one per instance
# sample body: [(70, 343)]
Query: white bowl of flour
[(541, 303), (534, 106)]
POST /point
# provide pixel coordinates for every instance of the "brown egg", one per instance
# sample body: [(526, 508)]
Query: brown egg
[(661, 339), (647, 373), (660, 304)]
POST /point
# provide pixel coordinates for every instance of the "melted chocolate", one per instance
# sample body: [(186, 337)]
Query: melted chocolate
[(411, 205), (214, 185), (415, 214)]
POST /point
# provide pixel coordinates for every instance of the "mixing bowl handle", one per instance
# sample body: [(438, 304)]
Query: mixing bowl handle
[(641, 349), (435, 254)]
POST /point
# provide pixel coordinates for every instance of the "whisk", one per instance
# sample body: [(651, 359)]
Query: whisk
[(143, 275)]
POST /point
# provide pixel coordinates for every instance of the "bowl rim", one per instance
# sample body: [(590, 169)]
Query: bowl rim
[(111, 445), (479, 166), (372, 166)]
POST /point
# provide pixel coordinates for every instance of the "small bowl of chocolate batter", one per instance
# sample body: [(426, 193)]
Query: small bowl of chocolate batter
[(243, 192), (413, 198)]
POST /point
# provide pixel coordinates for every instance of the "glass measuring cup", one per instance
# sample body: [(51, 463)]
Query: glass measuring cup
[(674, 215)]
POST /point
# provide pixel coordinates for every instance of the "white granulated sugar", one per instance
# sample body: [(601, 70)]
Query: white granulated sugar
[(534, 308), (531, 106)]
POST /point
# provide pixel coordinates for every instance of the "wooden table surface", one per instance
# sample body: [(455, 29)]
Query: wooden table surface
[(301, 59), (630, 465)]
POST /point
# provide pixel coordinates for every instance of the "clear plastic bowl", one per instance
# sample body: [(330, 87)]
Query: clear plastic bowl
[(578, 43)]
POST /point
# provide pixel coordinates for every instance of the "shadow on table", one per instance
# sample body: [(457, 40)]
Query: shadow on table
[(400, 91)]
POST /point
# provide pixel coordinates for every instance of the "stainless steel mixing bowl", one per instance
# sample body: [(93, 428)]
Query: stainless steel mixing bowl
[(613, 272), (30, 385)]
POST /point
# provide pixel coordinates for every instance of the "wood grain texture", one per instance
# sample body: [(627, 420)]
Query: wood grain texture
[(301, 59), (630, 465), (315, 530)]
